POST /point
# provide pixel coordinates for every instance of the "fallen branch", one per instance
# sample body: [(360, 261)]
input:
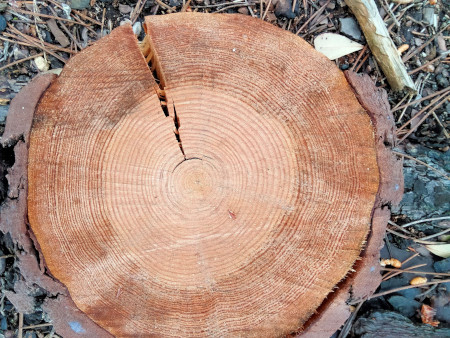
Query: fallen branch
[(381, 44)]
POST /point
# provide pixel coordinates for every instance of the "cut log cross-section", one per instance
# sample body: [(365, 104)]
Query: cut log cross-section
[(225, 194)]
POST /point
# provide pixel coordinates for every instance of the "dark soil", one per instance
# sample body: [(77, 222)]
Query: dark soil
[(427, 192)]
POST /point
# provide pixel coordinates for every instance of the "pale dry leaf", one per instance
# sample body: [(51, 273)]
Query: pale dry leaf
[(334, 46), (441, 250)]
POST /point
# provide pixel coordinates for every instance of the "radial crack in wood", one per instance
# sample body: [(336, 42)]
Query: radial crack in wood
[(250, 231)]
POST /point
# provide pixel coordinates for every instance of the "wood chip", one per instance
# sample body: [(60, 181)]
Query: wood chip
[(57, 33)]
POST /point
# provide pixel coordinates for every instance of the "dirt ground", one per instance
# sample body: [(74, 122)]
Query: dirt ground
[(422, 218)]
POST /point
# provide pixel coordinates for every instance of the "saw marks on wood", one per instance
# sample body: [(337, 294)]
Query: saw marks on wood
[(247, 230)]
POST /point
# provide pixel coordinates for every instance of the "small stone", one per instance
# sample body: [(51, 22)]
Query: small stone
[(350, 28), (442, 266), (283, 8), (137, 28), (30, 334), (2, 23), (41, 64), (79, 4), (20, 53), (405, 306), (408, 23), (243, 10), (429, 69), (331, 5), (125, 22), (410, 293), (428, 15), (125, 9), (418, 42), (442, 81)]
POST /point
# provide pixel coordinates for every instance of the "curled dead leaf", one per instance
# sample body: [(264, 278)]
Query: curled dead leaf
[(427, 314)]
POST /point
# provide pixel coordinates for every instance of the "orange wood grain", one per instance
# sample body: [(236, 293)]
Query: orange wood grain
[(249, 233)]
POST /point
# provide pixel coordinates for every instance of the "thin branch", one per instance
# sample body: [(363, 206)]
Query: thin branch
[(445, 98), (391, 274), (421, 162), (415, 272), (426, 220), (20, 61), (420, 100)]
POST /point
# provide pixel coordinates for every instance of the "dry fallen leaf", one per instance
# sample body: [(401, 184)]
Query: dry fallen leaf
[(427, 313), (441, 250), (334, 46)]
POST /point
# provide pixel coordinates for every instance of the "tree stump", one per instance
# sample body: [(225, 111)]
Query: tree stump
[(226, 190)]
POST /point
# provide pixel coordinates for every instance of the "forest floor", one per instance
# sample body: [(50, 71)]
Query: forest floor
[(31, 44)]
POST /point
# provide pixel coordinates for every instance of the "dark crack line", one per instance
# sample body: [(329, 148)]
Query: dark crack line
[(176, 121), (161, 93)]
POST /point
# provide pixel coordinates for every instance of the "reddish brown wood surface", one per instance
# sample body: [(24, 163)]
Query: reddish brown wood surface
[(245, 235)]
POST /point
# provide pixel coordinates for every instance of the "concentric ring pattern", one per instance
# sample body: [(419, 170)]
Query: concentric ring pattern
[(245, 233)]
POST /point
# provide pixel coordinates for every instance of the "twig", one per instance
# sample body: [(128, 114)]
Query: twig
[(103, 22), (243, 3), (417, 50), (401, 101), (19, 333), (398, 234), (33, 40), (321, 9), (391, 274), (442, 126), (423, 163), (389, 11), (362, 63), (163, 5), (6, 256), (381, 44), (435, 235), (36, 326), (18, 62), (415, 272), (375, 295), (85, 17), (46, 16), (228, 7), (186, 6), (400, 228), (138, 9), (36, 45), (348, 324), (426, 220), (426, 64), (267, 9), (422, 99), (359, 57), (18, 42), (404, 109), (424, 118)]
